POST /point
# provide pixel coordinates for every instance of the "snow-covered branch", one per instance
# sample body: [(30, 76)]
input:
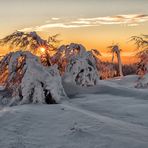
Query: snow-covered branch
[(29, 81)]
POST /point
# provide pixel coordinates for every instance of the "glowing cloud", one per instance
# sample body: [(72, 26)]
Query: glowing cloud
[(129, 20), (118, 19)]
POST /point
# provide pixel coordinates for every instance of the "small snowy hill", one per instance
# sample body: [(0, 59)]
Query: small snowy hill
[(128, 81), (110, 115)]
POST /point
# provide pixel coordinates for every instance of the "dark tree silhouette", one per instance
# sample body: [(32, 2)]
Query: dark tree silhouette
[(30, 41), (140, 41)]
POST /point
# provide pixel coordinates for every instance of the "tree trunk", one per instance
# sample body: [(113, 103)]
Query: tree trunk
[(120, 64)]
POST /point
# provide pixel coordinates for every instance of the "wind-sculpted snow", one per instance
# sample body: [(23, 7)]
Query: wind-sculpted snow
[(124, 86), (77, 64), (91, 121), (29, 81)]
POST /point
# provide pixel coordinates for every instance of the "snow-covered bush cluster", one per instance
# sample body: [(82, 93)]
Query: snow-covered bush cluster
[(77, 64), (29, 81), (64, 56)]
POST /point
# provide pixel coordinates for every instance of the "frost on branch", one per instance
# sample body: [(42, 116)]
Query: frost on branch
[(29, 81), (77, 64)]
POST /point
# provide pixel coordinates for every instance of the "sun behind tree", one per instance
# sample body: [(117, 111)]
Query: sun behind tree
[(31, 41)]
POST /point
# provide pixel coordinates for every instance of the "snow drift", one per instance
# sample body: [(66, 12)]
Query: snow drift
[(29, 81)]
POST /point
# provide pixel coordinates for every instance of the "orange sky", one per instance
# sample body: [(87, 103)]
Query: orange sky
[(93, 23)]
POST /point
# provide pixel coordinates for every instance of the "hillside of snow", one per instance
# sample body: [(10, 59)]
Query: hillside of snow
[(112, 114)]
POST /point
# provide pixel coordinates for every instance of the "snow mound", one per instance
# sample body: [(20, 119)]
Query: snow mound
[(128, 81), (29, 81)]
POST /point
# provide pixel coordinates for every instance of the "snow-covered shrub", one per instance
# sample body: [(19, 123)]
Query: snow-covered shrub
[(82, 73), (29, 81), (77, 64)]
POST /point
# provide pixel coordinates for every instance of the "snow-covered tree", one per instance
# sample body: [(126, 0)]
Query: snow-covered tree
[(82, 71), (140, 41), (65, 53), (29, 81), (76, 62), (116, 50), (31, 41), (142, 54)]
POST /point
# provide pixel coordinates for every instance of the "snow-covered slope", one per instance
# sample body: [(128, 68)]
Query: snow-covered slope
[(120, 87), (128, 81), (105, 116), (101, 121)]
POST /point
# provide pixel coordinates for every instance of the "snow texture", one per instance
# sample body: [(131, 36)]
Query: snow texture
[(110, 115)]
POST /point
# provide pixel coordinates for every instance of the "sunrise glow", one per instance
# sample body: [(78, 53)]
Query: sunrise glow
[(106, 22), (42, 49)]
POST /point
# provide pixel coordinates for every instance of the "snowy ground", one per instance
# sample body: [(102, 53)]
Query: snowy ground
[(111, 115)]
